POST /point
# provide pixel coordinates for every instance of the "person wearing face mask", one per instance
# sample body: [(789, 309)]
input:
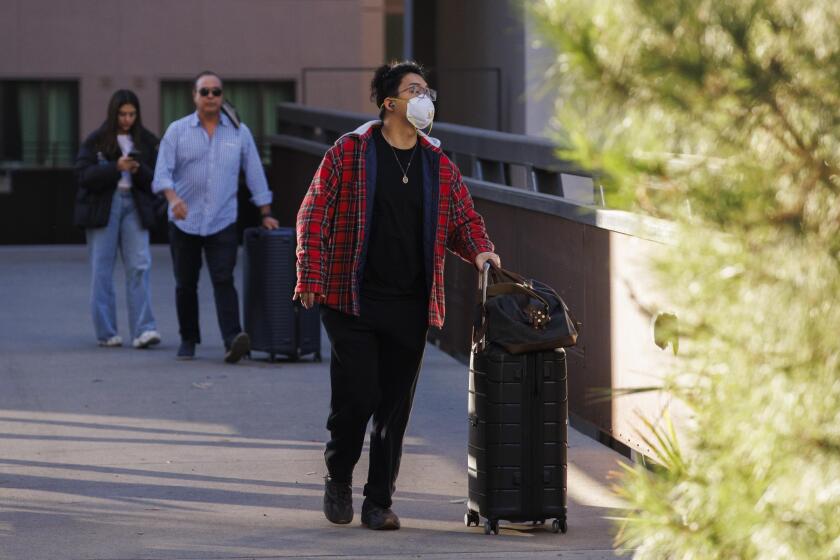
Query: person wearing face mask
[(115, 205), (382, 209), (198, 172)]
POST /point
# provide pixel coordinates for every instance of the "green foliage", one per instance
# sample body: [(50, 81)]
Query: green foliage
[(724, 117)]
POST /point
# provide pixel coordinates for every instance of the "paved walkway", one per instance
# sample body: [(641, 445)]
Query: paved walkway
[(127, 454)]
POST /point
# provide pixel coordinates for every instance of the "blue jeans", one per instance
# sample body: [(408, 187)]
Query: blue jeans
[(124, 233)]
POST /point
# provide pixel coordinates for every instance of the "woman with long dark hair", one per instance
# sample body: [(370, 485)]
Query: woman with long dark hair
[(116, 207)]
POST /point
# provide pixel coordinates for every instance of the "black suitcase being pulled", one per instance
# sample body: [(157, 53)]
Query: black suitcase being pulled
[(274, 322), (518, 435), (518, 413)]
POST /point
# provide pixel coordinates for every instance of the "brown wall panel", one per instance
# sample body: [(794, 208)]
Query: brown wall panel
[(498, 219), (596, 339), (290, 174), (461, 281)]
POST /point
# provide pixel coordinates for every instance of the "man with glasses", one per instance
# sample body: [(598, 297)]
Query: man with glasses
[(384, 206), (198, 171)]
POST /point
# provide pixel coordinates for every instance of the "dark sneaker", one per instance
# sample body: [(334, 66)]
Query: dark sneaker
[(338, 501), (379, 518), (240, 346), (186, 351)]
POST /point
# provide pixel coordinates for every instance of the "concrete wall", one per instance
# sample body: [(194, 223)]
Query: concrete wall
[(539, 95), (490, 72), (475, 34), (112, 44)]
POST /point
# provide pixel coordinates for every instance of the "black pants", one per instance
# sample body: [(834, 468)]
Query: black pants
[(220, 252), (373, 372)]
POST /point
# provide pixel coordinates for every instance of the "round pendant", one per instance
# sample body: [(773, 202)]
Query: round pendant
[(405, 179)]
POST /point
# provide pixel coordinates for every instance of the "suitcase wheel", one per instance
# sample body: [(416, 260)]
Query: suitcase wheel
[(318, 357), (472, 518), (559, 526), (491, 527)]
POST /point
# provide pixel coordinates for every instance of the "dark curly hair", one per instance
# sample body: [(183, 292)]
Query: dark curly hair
[(386, 80)]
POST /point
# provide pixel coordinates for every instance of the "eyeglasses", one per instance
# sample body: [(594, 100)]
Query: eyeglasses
[(420, 91), (204, 92)]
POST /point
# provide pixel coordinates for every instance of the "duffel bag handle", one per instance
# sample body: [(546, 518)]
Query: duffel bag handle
[(500, 275), (502, 278), (492, 276), (509, 288)]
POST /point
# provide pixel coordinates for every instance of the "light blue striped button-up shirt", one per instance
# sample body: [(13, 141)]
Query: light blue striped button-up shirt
[(204, 172)]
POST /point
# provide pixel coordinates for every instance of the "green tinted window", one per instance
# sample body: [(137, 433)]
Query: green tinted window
[(39, 122), (175, 102)]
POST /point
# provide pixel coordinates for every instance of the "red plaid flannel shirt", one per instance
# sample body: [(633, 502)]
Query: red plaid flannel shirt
[(331, 226)]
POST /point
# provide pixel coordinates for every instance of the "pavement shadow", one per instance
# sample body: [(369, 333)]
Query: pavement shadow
[(97, 440)]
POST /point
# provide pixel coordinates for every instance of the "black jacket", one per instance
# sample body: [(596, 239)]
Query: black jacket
[(97, 177)]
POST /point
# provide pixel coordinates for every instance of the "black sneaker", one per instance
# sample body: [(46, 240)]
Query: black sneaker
[(240, 346), (379, 518), (186, 351), (338, 501)]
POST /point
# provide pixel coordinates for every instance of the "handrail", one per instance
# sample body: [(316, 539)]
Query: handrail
[(514, 160), (311, 131)]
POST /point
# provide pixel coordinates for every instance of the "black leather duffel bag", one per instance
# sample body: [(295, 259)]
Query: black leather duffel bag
[(522, 315)]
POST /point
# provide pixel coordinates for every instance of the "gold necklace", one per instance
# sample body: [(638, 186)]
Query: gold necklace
[(407, 167)]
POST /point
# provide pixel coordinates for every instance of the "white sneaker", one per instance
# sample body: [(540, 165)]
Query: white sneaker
[(112, 342), (146, 339)]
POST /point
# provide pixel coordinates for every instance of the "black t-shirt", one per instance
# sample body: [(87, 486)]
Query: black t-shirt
[(394, 268)]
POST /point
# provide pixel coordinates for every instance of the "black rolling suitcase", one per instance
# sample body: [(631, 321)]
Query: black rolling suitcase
[(518, 437), (275, 323)]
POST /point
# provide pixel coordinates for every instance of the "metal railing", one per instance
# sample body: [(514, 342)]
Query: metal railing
[(43, 154), (484, 156)]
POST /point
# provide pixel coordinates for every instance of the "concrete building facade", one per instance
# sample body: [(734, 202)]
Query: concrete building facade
[(487, 63), (62, 60)]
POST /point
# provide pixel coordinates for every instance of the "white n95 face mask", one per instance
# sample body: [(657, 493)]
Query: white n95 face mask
[(420, 111)]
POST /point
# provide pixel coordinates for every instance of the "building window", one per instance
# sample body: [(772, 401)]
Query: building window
[(175, 102), (255, 101), (39, 122)]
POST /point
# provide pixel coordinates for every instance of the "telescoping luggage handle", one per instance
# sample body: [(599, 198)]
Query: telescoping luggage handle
[(482, 281), (480, 329)]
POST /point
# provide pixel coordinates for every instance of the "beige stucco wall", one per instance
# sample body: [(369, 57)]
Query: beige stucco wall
[(112, 44), (635, 299)]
